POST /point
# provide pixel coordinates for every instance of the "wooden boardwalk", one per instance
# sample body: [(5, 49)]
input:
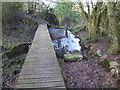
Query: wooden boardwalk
[(41, 68)]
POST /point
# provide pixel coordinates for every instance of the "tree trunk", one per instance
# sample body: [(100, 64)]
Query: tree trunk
[(92, 19), (114, 49), (118, 24), (92, 28), (34, 9), (60, 21)]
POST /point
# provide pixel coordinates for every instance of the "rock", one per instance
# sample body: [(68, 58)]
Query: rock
[(99, 53), (60, 52), (117, 58), (17, 50), (74, 51), (22, 56), (110, 66), (113, 49), (87, 46), (73, 57), (113, 64), (104, 57), (91, 48), (114, 72), (57, 33), (89, 52)]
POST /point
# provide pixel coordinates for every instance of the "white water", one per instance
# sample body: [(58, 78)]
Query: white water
[(71, 43)]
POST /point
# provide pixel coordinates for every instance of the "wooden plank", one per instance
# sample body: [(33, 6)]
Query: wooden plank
[(42, 71), (51, 84), (43, 75), (37, 54), (54, 68), (41, 85), (44, 63), (40, 65), (28, 81), (41, 79), (22, 76), (41, 68), (31, 58)]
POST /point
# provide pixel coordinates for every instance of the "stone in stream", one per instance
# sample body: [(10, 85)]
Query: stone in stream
[(60, 52), (73, 57), (57, 33)]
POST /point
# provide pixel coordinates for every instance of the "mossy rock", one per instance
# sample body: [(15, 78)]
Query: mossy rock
[(105, 64), (114, 72), (114, 68), (113, 64), (17, 50), (109, 65), (73, 57), (114, 49)]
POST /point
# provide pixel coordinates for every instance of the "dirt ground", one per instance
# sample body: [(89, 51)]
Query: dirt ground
[(88, 73)]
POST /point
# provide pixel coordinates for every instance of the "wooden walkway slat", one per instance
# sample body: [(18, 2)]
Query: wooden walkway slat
[(38, 81), (42, 85), (41, 68)]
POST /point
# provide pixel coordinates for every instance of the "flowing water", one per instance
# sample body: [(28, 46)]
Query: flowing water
[(67, 43)]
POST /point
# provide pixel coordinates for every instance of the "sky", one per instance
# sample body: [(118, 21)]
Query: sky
[(52, 4), (49, 2)]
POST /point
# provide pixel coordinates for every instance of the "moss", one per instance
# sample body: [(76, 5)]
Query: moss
[(105, 64), (84, 40), (17, 50), (110, 66), (73, 57)]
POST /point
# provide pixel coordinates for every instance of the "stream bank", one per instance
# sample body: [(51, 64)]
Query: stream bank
[(90, 73)]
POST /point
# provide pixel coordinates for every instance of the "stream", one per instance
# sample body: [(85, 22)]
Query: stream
[(64, 42)]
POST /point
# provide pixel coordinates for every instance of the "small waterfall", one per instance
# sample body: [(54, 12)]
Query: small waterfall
[(67, 44), (72, 42)]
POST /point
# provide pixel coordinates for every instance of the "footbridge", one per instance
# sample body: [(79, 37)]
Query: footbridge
[(41, 68)]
